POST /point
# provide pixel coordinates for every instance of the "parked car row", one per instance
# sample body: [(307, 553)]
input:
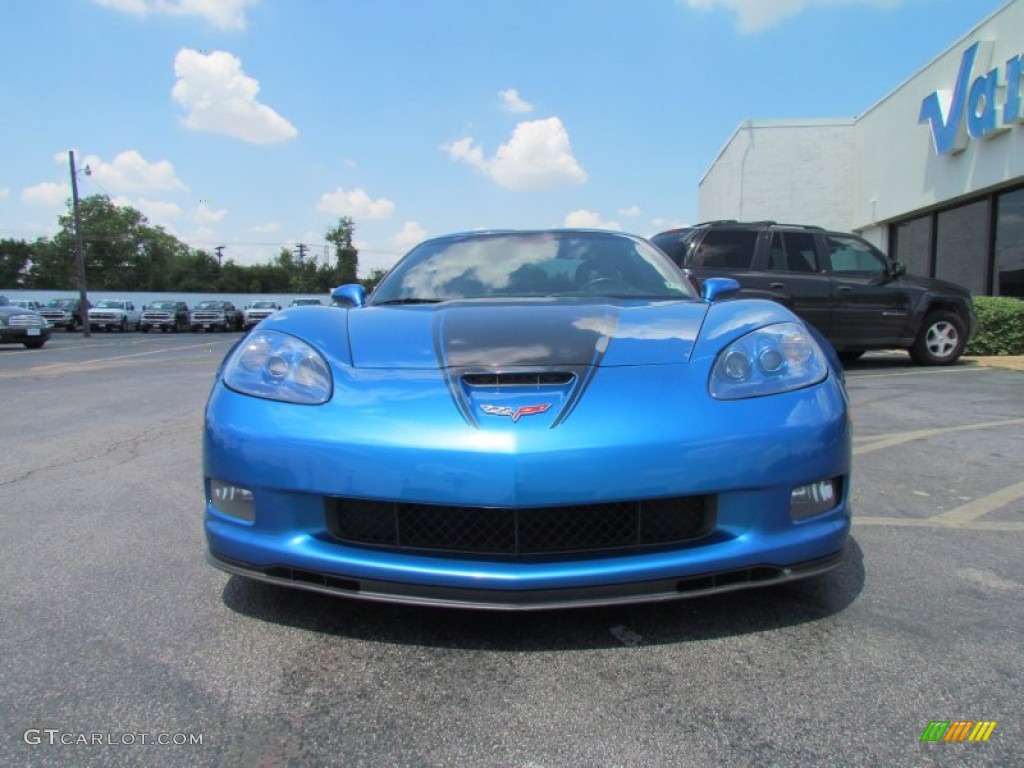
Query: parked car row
[(166, 315)]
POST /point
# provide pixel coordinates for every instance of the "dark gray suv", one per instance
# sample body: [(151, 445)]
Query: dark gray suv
[(847, 288)]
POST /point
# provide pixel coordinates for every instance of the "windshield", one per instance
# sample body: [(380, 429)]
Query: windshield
[(163, 305), (109, 304), (208, 305), (263, 305), (305, 302), (560, 263), (60, 303)]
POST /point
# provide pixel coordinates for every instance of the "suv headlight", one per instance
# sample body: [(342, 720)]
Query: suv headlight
[(775, 359), (276, 366)]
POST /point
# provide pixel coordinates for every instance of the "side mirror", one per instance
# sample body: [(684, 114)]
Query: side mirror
[(350, 295), (898, 269), (715, 288)]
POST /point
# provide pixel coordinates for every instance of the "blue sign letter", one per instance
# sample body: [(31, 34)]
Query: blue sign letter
[(948, 133)]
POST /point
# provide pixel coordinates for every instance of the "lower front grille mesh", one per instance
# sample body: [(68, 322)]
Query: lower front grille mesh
[(521, 532)]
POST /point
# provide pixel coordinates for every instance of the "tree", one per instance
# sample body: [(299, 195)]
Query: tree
[(15, 257), (346, 253), (375, 277)]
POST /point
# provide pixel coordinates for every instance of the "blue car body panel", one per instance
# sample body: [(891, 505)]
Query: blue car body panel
[(631, 418)]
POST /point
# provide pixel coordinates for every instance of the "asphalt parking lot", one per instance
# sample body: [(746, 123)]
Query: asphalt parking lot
[(116, 635)]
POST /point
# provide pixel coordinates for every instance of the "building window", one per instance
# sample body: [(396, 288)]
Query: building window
[(961, 246), (1009, 279), (912, 245)]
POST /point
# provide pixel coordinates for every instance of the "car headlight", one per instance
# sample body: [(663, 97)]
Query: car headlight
[(277, 366), (778, 358)]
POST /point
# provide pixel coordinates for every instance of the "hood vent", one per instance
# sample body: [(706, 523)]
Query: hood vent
[(534, 379)]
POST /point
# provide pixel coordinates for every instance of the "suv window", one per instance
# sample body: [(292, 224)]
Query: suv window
[(793, 252), (852, 257), (723, 248)]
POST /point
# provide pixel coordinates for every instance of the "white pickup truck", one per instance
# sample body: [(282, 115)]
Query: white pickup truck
[(111, 314)]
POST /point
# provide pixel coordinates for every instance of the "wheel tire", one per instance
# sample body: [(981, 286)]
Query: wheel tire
[(849, 355), (34, 344), (941, 339), (144, 328), (124, 324), (70, 327)]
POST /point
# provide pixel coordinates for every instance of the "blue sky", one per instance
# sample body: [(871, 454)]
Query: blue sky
[(255, 124)]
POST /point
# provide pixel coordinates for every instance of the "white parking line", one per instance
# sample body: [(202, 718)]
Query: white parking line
[(969, 512), (1005, 526), (878, 442), (919, 372), (71, 366)]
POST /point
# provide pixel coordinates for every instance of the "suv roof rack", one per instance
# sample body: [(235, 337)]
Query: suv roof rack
[(762, 223)]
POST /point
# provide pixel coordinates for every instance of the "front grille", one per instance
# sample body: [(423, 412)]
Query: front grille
[(626, 525), (156, 316), (103, 316), (26, 321), (516, 379), (207, 316)]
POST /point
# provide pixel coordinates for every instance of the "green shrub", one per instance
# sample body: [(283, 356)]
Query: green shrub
[(1000, 327)]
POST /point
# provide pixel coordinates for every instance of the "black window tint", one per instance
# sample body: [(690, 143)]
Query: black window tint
[(854, 257), (777, 254), (792, 252), (801, 255), (724, 248)]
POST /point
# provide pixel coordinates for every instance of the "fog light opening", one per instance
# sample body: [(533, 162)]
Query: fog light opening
[(232, 500), (813, 498)]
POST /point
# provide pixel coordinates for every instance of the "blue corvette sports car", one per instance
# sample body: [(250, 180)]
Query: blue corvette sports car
[(523, 420)]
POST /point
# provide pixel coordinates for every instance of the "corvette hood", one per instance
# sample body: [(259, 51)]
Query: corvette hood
[(524, 334)]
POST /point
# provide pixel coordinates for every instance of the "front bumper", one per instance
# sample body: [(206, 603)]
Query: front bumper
[(525, 600), (748, 454), (20, 334)]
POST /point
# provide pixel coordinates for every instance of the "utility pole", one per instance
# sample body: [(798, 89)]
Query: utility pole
[(302, 266), (83, 296), (220, 253)]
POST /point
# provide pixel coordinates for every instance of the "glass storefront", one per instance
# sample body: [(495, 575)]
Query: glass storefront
[(960, 250), (913, 243), (961, 246), (1009, 277)]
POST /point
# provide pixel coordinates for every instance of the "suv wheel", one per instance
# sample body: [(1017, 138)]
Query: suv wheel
[(940, 340)]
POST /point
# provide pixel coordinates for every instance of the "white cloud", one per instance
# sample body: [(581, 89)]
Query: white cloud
[(409, 235), (537, 156), (589, 220), (511, 101), (758, 15), (158, 211), (270, 226), (130, 172), (207, 215), (633, 210), (5, 192), (221, 98), (223, 14), (46, 194), (356, 204)]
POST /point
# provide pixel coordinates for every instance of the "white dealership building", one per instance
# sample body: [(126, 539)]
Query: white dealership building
[(933, 173)]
